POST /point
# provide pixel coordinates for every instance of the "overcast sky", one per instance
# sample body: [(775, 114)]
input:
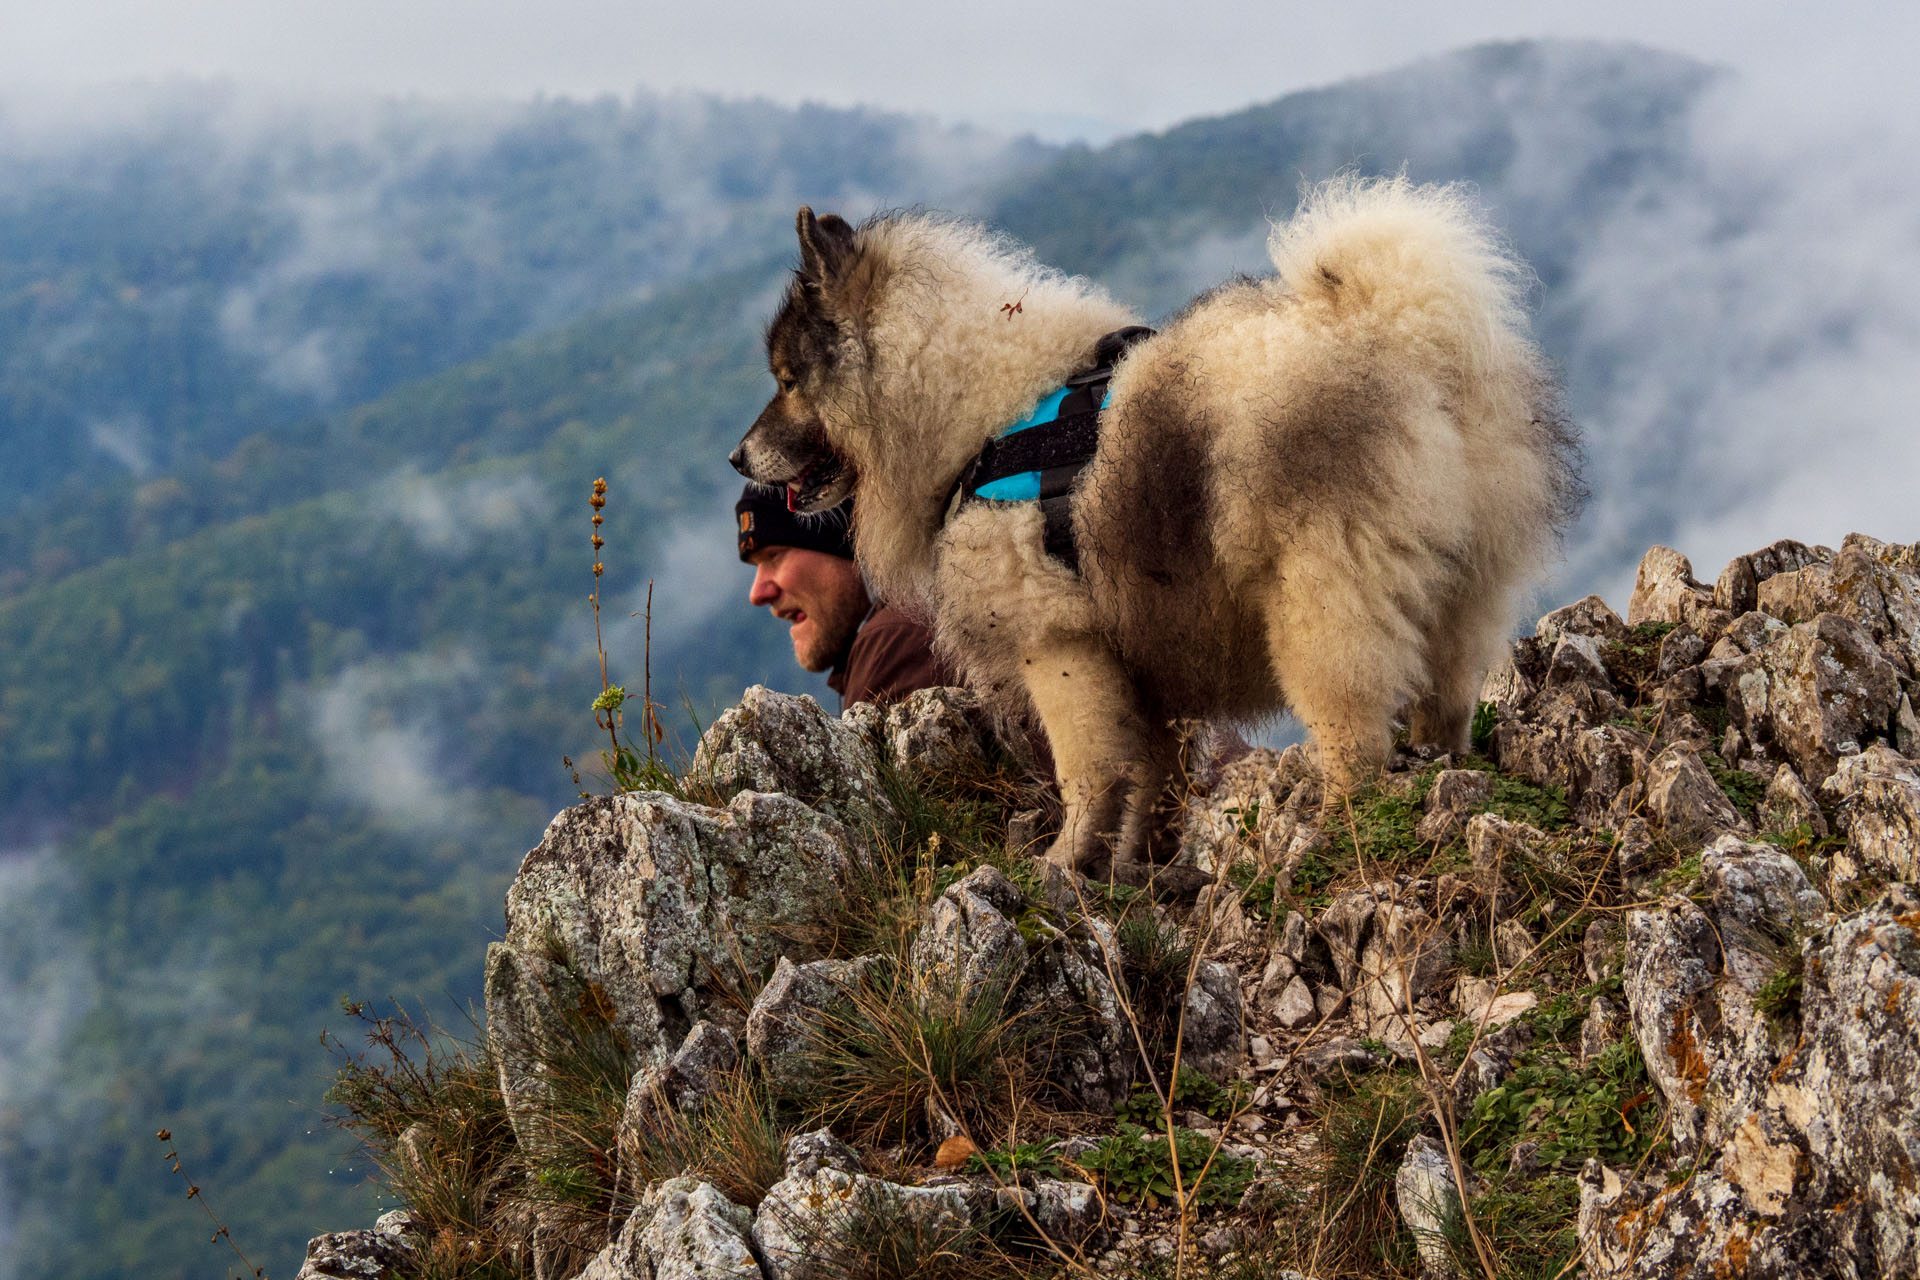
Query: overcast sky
[(1089, 70)]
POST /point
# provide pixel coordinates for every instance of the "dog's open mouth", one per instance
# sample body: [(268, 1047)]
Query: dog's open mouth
[(816, 487)]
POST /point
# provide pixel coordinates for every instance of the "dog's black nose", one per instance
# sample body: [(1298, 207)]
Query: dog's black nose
[(739, 459)]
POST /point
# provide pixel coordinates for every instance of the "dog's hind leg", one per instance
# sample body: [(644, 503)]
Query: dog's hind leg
[(1147, 812), (1099, 740), (1345, 660), (1471, 628)]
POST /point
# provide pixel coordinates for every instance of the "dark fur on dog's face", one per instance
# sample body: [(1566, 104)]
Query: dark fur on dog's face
[(787, 444)]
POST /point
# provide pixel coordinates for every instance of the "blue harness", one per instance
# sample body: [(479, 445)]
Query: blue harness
[(1040, 458)]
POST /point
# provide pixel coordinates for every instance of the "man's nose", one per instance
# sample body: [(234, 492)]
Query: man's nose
[(764, 590)]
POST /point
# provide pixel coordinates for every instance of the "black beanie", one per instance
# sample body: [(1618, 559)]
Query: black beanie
[(764, 521)]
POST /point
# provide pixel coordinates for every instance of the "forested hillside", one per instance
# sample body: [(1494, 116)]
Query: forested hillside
[(298, 417)]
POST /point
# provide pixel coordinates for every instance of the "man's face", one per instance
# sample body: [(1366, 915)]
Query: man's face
[(819, 595)]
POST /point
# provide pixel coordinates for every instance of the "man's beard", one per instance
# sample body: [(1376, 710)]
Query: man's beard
[(834, 624)]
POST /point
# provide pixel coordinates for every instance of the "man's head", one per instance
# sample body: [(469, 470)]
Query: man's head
[(804, 572)]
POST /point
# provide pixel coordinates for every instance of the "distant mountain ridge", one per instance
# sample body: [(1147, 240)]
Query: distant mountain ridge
[(216, 266)]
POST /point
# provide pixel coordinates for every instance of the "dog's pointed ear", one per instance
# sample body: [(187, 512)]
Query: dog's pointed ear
[(833, 260), (826, 246)]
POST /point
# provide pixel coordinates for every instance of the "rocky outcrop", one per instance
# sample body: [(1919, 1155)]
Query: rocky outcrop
[(1674, 898), (636, 911), (1806, 1143)]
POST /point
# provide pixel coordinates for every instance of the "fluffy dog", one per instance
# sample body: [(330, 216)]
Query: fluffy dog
[(1322, 490)]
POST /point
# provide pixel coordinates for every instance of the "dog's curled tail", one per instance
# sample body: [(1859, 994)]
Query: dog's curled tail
[(1391, 247)]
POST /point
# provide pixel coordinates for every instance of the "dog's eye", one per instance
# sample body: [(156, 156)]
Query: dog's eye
[(789, 384)]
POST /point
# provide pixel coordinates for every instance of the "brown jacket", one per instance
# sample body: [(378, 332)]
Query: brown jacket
[(891, 656)]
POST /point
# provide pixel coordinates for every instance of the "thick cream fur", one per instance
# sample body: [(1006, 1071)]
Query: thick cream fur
[(1322, 490)]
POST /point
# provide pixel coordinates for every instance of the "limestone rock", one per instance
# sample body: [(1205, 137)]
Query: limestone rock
[(1343, 925), (784, 743), (1506, 686), (1829, 693), (1211, 1037), (1589, 616), (940, 731), (1405, 957), (1683, 798), (1664, 589), (802, 1223), (1789, 805), (1691, 973), (1737, 589), (788, 1016), (1429, 1201), (1804, 1174), (1295, 1007), (683, 1229), (969, 939), (1897, 575), (619, 921), (1877, 794), (1592, 764), (358, 1255), (697, 1071), (1455, 794), (1497, 845)]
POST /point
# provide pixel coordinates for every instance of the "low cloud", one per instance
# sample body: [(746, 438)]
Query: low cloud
[(377, 726), (46, 988), (450, 516), (125, 438), (1759, 319)]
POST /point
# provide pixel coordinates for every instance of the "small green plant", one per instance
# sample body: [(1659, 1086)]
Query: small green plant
[(623, 765), (1741, 788), (1517, 800), (1191, 1092), (1039, 1159), (1572, 1110), (1246, 820), (1137, 1166), (1633, 661), (1256, 885), (1802, 841), (1377, 826), (1485, 717), (1778, 999)]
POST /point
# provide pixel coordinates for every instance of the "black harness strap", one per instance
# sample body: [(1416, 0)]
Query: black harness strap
[(1059, 450)]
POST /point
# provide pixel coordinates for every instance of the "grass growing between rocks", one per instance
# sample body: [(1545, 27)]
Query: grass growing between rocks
[(1331, 1212), (906, 1061), (874, 1237), (429, 1111)]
